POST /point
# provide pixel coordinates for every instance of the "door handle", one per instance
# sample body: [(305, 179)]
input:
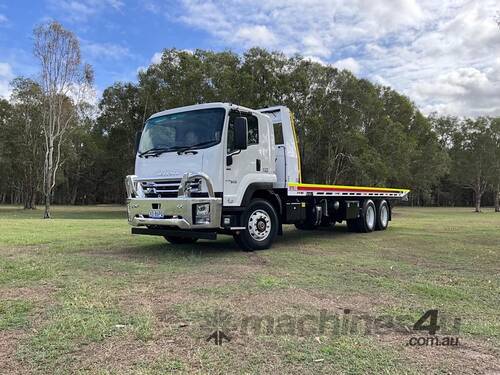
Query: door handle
[(257, 165)]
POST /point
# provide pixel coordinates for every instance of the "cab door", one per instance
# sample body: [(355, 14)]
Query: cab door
[(243, 166)]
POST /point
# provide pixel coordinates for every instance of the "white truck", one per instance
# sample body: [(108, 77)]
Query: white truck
[(220, 168)]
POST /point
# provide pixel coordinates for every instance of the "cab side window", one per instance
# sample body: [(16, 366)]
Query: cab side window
[(253, 130), (278, 133)]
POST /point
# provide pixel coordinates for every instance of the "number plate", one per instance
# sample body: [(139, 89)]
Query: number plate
[(156, 214)]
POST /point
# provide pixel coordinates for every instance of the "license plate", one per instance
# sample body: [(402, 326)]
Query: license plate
[(156, 214)]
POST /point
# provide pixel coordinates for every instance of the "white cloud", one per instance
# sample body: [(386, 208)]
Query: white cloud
[(6, 75), (413, 46), (315, 59), (82, 10), (156, 59), (109, 51), (348, 64), (3, 19), (255, 36), (469, 88)]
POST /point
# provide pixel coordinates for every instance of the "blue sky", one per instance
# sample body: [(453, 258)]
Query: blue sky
[(445, 55)]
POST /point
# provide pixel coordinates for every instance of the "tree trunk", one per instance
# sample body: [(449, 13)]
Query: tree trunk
[(46, 212), (477, 196), (497, 198), (48, 178), (74, 194)]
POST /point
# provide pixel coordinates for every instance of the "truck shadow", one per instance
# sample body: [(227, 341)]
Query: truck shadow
[(225, 244)]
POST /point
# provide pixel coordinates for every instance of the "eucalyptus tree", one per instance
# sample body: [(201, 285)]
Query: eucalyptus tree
[(494, 175), (64, 80), (6, 112), (25, 134), (472, 157)]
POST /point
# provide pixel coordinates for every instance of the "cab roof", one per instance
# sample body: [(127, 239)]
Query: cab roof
[(227, 106)]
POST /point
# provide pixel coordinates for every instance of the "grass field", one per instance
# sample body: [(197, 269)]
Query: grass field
[(79, 294)]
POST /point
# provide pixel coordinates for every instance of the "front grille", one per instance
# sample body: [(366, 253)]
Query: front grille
[(161, 188), (169, 188)]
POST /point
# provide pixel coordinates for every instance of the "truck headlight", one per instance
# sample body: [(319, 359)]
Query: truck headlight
[(202, 213)]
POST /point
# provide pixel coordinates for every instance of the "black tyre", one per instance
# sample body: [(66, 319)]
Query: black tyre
[(367, 220), (175, 240), (383, 214), (261, 226)]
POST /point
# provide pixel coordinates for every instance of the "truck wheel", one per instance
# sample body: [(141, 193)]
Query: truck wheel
[(175, 240), (367, 220), (261, 226), (382, 215)]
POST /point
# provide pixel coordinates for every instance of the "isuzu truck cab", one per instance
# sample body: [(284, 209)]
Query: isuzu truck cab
[(220, 168)]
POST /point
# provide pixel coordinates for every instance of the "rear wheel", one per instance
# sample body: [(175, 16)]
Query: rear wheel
[(382, 215), (175, 240), (261, 226), (366, 221)]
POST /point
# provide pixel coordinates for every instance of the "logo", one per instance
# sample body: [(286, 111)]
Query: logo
[(218, 336), (166, 173), (219, 320)]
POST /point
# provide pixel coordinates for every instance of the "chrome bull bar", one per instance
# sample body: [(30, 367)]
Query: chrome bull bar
[(180, 212)]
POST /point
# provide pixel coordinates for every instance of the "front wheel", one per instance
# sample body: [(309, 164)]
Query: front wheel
[(175, 240), (261, 226)]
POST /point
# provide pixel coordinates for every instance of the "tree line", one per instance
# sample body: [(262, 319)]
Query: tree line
[(56, 147)]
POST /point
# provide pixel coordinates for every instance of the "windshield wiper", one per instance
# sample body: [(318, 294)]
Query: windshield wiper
[(181, 149), (155, 151)]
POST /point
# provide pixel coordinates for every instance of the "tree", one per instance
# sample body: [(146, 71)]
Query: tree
[(495, 170), (64, 80), (26, 139), (6, 161), (122, 115), (472, 155)]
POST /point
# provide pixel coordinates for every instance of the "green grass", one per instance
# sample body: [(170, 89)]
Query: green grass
[(14, 313), (79, 294)]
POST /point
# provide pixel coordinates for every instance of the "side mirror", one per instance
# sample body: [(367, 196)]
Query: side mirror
[(240, 133), (137, 141)]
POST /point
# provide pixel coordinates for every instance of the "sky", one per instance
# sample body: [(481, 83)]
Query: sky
[(445, 55)]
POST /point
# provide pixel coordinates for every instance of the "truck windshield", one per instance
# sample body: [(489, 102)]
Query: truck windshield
[(193, 129)]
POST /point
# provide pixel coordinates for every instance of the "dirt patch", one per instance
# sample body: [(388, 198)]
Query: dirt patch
[(257, 259), (9, 340), (190, 347), (161, 296), (24, 250), (295, 300), (469, 357), (38, 293)]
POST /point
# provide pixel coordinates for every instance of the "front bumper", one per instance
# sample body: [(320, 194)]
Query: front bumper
[(172, 213)]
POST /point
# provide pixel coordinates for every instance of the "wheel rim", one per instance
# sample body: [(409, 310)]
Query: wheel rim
[(370, 217), (259, 225), (384, 215)]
